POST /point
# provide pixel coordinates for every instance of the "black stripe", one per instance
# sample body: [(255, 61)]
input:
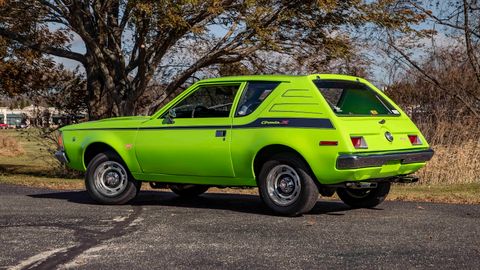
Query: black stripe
[(289, 123), (258, 123), (185, 127)]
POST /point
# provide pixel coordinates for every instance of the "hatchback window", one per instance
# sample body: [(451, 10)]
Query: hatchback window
[(353, 98), (255, 93), (208, 101)]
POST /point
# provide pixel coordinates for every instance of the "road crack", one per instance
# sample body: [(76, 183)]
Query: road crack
[(87, 240)]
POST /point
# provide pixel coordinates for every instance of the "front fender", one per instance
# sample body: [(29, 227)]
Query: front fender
[(122, 142)]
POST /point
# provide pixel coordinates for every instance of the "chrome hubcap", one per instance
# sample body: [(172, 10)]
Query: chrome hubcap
[(283, 185), (110, 178)]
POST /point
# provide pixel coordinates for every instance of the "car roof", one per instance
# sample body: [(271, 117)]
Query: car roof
[(281, 78)]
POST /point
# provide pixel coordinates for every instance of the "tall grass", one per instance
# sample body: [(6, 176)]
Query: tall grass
[(457, 151), (446, 110)]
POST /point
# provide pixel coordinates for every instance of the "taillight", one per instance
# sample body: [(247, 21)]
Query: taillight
[(359, 142), (414, 140)]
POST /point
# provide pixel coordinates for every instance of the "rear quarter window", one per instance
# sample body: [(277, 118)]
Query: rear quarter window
[(354, 99), (255, 93)]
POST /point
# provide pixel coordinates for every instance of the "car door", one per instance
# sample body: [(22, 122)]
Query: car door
[(193, 138)]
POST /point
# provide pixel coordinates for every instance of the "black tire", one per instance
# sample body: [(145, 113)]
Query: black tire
[(127, 189), (364, 198), (189, 191), (291, 195)]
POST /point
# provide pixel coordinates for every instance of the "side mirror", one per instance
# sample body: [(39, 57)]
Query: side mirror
[(169, 117)]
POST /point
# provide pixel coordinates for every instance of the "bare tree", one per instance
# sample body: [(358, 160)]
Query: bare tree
[(128, 42), (461, 25)]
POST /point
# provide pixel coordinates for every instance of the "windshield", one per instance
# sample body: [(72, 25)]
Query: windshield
[(354, 99)]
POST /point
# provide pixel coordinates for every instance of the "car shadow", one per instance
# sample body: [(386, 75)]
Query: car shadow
[(222, 201)]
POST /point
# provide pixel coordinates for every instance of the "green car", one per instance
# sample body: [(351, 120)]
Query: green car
[(293, 137)]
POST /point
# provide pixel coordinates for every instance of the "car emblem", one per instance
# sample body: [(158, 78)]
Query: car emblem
[(389, 136)]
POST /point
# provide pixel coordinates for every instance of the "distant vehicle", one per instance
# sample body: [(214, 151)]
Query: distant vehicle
[(3, 126), (292, 136)]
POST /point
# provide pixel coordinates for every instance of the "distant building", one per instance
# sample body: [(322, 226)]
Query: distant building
[(34, 116)]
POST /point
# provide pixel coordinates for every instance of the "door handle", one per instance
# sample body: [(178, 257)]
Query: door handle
[(220, 133)]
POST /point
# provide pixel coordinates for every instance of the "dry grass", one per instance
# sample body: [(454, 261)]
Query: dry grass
[(9, 146), (453, 164), (457, 148), (460, 193), (42, 182)]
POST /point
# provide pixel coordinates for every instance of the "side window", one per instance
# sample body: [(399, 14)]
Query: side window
[(207, 101), (255, 93)]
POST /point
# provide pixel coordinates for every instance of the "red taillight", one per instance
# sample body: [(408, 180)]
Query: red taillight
[(359, 142), (414, 140)]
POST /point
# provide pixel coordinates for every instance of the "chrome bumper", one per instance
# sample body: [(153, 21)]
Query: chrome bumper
[(61, 156), (356, 161)]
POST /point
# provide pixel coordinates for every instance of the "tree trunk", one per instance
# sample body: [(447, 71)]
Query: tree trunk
[(107, 98), (104, 102), (99, 104)]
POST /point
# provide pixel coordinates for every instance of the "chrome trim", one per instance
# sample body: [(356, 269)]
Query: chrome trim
[(283, 185), (61, 156), (356, 161), (389, 136), (110, 178)]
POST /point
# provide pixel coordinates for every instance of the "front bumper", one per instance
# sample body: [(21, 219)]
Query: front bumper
[(61, 156), (357, 161)]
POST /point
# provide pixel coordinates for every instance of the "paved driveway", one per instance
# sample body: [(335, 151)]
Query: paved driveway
[(48, 229)]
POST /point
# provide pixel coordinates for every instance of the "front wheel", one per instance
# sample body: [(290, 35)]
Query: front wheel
[(364, 198), (108, 180), (286, 185)]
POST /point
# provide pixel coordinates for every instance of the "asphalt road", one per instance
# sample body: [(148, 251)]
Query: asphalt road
[(48, 229)]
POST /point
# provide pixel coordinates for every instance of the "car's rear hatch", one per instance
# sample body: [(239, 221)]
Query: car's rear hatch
[(368, 120), (380, 133)]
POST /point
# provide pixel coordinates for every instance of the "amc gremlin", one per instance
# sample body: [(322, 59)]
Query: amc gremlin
[(293, 137)]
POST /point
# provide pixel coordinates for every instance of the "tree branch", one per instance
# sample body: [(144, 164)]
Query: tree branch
[(442, 21), (431, 78), (42, 47)]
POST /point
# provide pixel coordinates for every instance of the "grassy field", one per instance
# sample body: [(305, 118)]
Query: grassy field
[(35, 166), (35, 157)]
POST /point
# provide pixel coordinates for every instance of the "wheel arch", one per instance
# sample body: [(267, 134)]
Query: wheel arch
[(95, 148), (265, 153)]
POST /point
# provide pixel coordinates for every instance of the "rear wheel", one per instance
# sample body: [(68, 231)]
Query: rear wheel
[(189, 190), (364, 198), (108, 180), (286, 185)]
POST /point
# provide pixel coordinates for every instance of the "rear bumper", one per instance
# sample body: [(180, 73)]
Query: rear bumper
[(356, 161), (61, 156)]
